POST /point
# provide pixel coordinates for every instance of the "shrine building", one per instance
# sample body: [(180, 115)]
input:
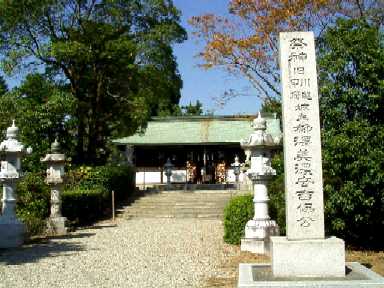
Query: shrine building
[(201, 148)]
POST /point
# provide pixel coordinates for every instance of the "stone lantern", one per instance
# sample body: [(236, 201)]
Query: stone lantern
[(261, 227), (11, 229), (168, 167), (55, 162)]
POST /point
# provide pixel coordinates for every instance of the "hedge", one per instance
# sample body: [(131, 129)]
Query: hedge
[(86, 197), (83, 206)]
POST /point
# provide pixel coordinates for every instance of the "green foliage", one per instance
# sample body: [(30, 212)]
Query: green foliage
[(116, 178), (192, 109), (236, 214), (3, 86), (115, 57), (271, 105), (86, 198), (351, 68), (43, 111), (354, 181), (33, 197), (88, 193), (352, 106)]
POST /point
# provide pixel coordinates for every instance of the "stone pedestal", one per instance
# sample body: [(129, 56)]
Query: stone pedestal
[(308, 258), (56, 222), (56, 226), (12, 234), (253, 245), (12, 230)]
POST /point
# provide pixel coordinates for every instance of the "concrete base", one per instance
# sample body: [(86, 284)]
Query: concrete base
[(308, 258), (259, 246), (11, 234), (260, 276), (56, 226)]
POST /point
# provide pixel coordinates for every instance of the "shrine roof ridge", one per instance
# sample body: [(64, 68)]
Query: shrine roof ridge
[(241, 117), (199, 130)]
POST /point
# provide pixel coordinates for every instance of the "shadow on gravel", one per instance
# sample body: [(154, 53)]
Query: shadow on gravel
[(97, 227), (72, 236), (31, 253)]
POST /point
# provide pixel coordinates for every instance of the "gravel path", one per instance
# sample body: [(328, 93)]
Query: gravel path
[(135, 253)]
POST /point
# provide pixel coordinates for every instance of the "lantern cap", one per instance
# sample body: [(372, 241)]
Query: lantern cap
[(259, 123), (12, 131), (55, 147)]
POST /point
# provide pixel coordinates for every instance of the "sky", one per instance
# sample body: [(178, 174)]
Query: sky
[(206, 85)]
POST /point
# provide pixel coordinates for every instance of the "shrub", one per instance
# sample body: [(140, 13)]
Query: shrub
[(236, 214), (33, 198), (88, 194), (116, 178), (84, 206)]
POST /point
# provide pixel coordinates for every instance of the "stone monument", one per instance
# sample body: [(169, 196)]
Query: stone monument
[(304, 252), (55, 162), (11, 229), (305, 257), (259, 229)]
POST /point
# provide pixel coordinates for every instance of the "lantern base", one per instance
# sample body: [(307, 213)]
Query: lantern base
[(257, 236), (56, 226), (257, 246), (12, 234)]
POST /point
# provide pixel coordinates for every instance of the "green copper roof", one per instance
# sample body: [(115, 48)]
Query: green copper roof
[(198, 130)]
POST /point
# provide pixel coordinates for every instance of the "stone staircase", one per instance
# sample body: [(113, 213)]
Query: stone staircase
[(202, 204)]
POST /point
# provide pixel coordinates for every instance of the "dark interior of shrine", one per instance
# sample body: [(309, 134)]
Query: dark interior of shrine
[(205, 158)]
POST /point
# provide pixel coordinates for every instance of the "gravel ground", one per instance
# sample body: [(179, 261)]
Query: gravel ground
[(135, 253)]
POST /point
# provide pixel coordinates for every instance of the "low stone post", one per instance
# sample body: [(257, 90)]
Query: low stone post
[(11, 229), (259, 229), (55, 162), (236, 170)]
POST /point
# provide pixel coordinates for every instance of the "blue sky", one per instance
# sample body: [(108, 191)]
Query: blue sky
[(203, 85)]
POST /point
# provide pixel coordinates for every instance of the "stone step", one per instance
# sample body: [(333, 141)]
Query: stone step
[(170, 204), (193, 192), (187, 197), (174, 210), (178, 215), (180, 202), (200, 193), (170, 196), (176, 206)]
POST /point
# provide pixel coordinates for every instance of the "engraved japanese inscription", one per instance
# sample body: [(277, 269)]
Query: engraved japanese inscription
[(302, 146)]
